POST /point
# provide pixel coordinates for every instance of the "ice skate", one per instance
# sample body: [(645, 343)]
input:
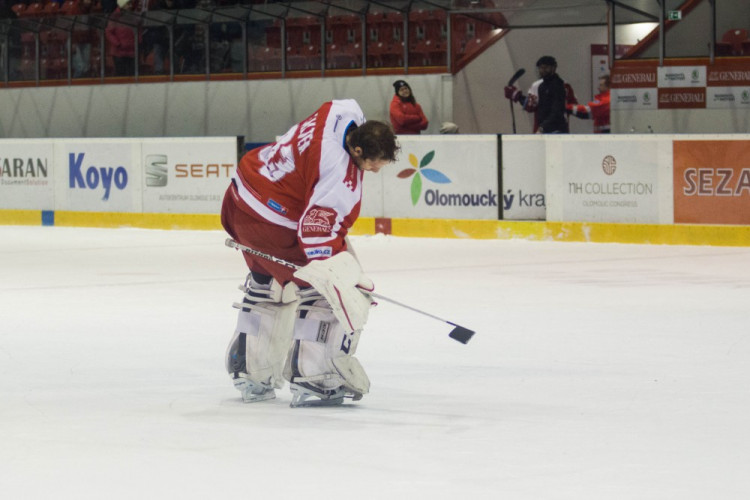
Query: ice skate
[(307, 396), (253, 392)]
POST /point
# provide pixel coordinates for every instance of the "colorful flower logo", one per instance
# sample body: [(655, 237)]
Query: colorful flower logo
[(418, 171)]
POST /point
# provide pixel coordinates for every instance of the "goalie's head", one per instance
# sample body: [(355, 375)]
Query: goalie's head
[(372, 145)]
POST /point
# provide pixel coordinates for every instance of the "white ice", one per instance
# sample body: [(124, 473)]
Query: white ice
[(598, 371)]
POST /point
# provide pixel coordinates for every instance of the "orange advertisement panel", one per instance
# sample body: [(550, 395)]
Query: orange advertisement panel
[(712, 182)]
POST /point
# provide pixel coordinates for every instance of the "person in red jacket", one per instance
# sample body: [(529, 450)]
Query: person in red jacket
[(598, 109), (121, 41), (407, 116)]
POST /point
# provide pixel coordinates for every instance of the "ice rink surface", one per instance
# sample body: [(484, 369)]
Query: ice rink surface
[(598, 371)]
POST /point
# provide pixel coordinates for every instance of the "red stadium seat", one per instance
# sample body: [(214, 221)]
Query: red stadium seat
[(19, 9), (35, 9), (50, 9), (69, 8), (731, 43)]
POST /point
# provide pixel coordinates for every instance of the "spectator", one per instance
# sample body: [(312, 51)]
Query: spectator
[(598, 109), (82, 48), (156, 38), (121, 40), (546, 98), (407, 117)]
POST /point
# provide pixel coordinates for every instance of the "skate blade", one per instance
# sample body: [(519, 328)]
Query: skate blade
[(312, 403), (302, 398), (254, 398)]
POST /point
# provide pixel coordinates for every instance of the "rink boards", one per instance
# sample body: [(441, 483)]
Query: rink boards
[(633, 188)]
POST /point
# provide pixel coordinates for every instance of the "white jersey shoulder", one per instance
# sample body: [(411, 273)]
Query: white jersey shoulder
[(342, 115), (534, 89)]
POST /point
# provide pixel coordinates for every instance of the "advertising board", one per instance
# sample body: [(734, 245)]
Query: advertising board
[(443, 177), (186, 175), (97, 175), (712, 181), (623, 179), (524, 178), (27, 174)]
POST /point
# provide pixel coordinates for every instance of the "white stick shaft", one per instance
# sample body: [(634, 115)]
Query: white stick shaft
[(383, 297), (233, 244)]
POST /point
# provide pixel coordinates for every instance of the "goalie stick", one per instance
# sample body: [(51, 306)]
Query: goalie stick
[(518, 74), (459, 333)]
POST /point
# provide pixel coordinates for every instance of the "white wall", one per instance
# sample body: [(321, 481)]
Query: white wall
[(259, 110)]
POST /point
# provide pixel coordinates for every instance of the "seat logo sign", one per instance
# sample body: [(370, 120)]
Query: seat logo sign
[(418, 171), (156, 170)]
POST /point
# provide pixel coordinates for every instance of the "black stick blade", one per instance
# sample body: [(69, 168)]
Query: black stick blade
[(460, 333), (518, 74)]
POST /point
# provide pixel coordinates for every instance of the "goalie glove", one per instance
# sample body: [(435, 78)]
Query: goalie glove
[(340, 280)]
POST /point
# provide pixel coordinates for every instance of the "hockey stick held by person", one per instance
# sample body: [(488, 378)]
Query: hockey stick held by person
[(296, 199), (546, 98)]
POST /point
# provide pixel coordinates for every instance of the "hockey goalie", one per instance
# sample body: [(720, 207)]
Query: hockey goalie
[(295, 199)]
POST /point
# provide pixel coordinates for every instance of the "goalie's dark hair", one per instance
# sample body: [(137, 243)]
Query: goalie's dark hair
[(376, 139)]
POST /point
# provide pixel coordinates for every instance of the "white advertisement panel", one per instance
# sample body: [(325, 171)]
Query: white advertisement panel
[(681, 76), (27, 174), (728, 97), (97, 175), (188, 175), (524, 178), (443, 177), (372, 193), (634, 98), (622, 179)]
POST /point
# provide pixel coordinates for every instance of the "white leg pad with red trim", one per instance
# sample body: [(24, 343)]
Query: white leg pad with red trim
[(321, 359)]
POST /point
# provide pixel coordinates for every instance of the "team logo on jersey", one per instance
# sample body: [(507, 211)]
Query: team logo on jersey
[(352, 177), (318, 221), (418, 171)]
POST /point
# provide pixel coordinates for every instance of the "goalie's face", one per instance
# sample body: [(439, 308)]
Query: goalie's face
[(368, 164), (371, 165)]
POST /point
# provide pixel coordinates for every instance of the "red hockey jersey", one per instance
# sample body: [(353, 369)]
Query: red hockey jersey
[(598, 110), (306, 181)]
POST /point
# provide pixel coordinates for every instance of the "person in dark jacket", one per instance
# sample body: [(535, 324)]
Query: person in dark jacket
[(407, 116), (546, 98), (552, 117)]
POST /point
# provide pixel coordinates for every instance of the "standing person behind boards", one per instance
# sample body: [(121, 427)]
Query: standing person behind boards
[(598, 109), (295, 199), (121, 40), (406, 114), (546, 98)]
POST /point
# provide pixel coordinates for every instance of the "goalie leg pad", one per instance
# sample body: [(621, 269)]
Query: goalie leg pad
[(321, 361), (265, 323)]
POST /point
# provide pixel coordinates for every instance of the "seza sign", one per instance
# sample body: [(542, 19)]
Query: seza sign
[(711, 181), (84, 175)]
